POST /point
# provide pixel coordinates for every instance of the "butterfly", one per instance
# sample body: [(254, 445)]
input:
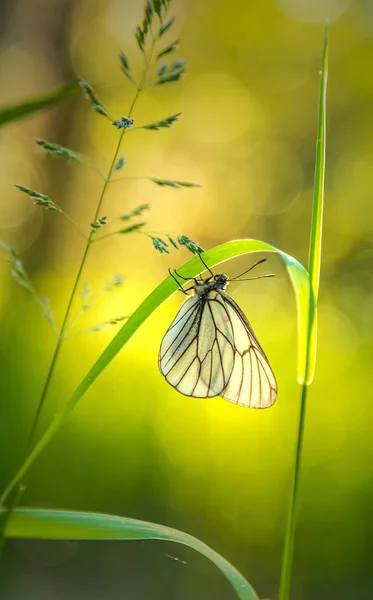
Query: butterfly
[(210, 348)]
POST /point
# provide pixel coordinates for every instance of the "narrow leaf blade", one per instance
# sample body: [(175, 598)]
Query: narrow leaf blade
[(317, 217), (28, 107), (63, 524)]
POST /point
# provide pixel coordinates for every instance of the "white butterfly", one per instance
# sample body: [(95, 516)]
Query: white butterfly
[(210, 348)]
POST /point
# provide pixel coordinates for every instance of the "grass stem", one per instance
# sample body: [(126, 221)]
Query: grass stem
[(288, 552), (61, 336), (314, 267), (70, 220), (16, 484), (70, 302)]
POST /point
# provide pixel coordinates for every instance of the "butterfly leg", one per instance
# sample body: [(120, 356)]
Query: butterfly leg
[(178, 283), (204, 264), (185, 278)]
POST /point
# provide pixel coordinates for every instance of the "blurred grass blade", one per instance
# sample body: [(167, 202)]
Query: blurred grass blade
[(25, 108), (317, 215), (299, 279), (67, 525)]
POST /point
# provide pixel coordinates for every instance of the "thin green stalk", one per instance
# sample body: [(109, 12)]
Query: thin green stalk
[(70, 220), (60, 339), (71, 299), (40, 303), (311, 347), (129, 178), (80, 271), (107, 235), (64, 326), (61, 336), (288, 552), (17, 494)]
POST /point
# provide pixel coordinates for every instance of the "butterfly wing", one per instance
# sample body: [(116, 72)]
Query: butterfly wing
[(252, 382), (197, 352)]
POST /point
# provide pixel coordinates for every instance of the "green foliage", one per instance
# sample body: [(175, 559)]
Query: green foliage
[(136, 212), (171, 72), (40, 199), (120, 163), (166, 26), (172, 242), (183, 240), (117, 281), (158, 7), (159, 244), (131, 228), (20, 276), (100, 326), (163, 123), (170, 48), (307, 327), (26, 108), (140, 38), (17, 268), (61, 525), (193, 247), (173, 184), (124, 123), (98, 223), (57, 150), (48, 524), (93, 99), (125, 66), (142, 30)]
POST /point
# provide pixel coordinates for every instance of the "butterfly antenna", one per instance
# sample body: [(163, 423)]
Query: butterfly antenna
[(259, 277), (248, 270)]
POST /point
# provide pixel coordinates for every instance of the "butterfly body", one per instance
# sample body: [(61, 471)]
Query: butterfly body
[(203, 287), (210, 349)]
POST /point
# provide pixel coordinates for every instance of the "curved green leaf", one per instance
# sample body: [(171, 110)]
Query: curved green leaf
[(300, 281), (62, 525), (32, 105)]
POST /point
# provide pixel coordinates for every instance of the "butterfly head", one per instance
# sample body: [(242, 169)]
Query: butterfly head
[(220, 281)]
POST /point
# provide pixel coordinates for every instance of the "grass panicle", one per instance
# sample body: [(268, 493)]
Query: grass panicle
[(98, 221), (136, 212), (173, 184), (57, 150), (162, 123), (93, 99)]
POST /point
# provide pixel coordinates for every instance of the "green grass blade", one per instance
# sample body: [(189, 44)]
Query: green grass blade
[(28, 107), (317, 215), (299, 278), (62, 525), (306, 377)]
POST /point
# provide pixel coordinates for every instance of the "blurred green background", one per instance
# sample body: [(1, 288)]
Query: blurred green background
[(134, 447)]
